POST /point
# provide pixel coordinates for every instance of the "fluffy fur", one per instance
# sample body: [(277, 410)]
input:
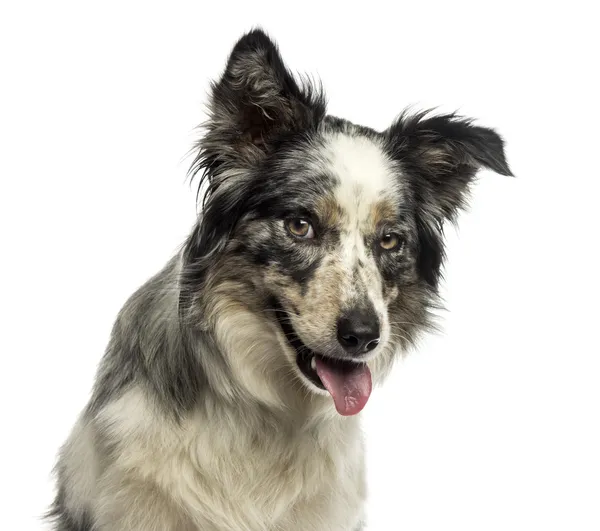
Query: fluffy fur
[(202, 416)]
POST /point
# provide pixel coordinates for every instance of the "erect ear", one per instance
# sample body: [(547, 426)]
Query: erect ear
[(443, 153), (256, 101)]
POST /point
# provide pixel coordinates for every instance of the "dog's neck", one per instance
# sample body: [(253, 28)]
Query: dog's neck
[(287, 404), (285, 423)]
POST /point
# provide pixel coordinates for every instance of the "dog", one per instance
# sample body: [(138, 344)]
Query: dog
[(230, 391)]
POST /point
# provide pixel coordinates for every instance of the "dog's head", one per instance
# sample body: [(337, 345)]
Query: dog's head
[(318, 252)]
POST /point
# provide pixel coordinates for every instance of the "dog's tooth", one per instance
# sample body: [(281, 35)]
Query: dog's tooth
[(313, 364)]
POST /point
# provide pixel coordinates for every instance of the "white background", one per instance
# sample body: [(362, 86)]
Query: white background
[(491, 425)]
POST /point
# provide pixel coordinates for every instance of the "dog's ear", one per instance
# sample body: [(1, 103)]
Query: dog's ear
[(256, 101), (441, 155)]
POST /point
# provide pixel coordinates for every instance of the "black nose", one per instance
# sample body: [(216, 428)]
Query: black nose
[(358, 331)]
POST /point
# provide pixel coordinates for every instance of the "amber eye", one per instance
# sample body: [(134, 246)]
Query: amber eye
[(300, 228), (390, 241)]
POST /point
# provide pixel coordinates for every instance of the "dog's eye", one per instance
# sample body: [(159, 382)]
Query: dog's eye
[(390, 241), (300, 228)]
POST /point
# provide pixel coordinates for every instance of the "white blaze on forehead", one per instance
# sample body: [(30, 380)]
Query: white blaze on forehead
[(365, 177), (364, 172)]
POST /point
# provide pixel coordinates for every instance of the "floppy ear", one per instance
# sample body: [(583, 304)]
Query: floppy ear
[(256, 101), (443, 153)]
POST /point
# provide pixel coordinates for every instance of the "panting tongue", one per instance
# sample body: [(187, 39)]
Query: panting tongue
[(350, 389)]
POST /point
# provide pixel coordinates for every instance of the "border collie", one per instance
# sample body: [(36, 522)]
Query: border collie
[(230, 391)]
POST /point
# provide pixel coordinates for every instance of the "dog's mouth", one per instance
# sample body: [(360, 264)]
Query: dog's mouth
[(348, 382)]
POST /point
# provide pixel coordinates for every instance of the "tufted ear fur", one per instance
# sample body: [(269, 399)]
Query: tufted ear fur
[(441, 155), (254, 104)]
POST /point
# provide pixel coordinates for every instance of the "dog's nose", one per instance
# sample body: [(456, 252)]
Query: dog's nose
[(358, 331)]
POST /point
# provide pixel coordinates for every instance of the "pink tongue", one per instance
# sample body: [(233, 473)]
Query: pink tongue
[(350, 390)]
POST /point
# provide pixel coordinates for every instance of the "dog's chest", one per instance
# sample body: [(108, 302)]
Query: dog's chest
[(310, 482), (226, 474)]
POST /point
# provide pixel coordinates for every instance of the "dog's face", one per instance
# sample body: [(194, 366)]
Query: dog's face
[(327, 234)]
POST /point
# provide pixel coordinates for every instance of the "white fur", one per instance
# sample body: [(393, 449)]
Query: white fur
[(218, 474), (365, 172)]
